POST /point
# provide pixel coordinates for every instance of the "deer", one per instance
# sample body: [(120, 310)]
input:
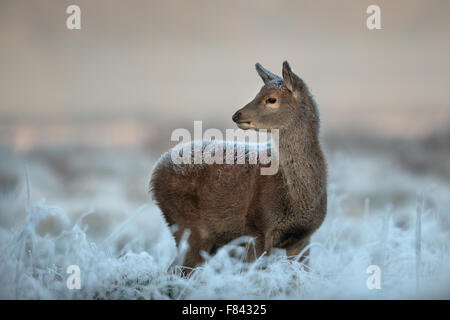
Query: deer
[(218, 203)]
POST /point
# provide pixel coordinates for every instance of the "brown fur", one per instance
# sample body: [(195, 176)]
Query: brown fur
[(220, 202)]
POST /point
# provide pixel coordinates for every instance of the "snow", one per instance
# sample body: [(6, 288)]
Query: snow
[(125, 249)]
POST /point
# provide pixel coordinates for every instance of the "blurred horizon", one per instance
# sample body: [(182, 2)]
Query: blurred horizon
[(137, 69)]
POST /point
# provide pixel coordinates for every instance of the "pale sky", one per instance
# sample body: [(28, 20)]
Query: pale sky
[(194, 60)]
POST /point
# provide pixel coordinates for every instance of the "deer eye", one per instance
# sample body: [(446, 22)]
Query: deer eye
[(271, 100)]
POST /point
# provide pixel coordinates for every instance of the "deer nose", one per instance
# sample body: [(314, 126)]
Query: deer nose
[(236, 116)]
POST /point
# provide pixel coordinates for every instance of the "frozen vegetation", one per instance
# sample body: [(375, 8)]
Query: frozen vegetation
[(99, 216)]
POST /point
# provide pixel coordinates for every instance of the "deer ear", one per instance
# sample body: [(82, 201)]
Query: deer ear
[(265, 74), (292, 81)]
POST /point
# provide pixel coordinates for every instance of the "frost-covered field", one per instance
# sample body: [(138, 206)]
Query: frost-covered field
[(92, 209)]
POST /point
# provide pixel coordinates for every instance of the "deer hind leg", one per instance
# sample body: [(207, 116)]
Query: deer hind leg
[(296, 248), (180, 210), (198, 240)]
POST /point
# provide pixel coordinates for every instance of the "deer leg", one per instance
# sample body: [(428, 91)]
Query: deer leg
[(198, 240), (263, 243), (296, 248), (255, 248)]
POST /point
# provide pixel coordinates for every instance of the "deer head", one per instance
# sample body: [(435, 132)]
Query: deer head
[(281, 103)]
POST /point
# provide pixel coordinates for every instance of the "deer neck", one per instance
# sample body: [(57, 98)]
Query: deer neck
[(301, 162)]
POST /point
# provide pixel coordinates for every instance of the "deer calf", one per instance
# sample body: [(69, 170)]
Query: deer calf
[(220, 202)]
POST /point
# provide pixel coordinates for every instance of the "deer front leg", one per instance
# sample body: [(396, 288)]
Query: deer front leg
[(263, 243)]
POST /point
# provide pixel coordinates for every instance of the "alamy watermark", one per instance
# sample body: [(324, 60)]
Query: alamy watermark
[(73, 21), (74, 279), (238, 147), (373, 21), (374, 280)]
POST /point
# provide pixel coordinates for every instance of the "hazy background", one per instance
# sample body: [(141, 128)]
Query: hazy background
[(138, 66)]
